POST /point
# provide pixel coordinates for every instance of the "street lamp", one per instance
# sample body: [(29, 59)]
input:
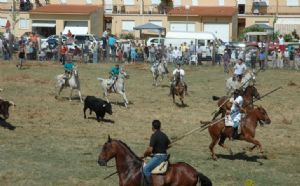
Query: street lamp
[(187, 8)]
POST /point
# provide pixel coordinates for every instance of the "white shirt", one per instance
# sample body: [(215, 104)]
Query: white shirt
[(240, 69), (181, 72), (237, 103), (175, 53), (281, 41)]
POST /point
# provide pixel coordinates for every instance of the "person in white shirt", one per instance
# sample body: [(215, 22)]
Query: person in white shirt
[(286, 58), (182, 74), (239, 69)]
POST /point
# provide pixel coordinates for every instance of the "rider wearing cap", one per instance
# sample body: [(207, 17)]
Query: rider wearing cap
[(68, 67), (159, 143)]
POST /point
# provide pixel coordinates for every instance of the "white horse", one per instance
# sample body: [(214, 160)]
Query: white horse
[(245, 82), (159, 70), (73, 83), (118, 87)]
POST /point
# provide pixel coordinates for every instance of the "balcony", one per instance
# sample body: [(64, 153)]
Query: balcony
[(262, 10), (134, 9)]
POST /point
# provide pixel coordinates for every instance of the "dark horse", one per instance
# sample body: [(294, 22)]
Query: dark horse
[(179, 89), (248, 125), (225, 104), (129, 168)]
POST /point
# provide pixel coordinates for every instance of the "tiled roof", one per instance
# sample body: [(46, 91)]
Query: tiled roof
[(65, 9), (203, 11)]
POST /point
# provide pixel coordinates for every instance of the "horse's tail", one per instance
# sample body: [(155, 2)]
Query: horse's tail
[(215, 98), (204, 180)]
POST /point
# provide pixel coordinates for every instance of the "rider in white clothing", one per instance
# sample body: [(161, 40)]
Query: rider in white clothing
[(240, 69), (182, 74)]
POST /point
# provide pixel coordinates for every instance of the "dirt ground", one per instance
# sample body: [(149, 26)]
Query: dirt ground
[(48, 142)]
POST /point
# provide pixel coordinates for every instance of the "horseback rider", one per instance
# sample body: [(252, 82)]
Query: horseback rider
[(235, 111), (159, 143), (239, 70), (68, 67), (181, 73), (114, 73)]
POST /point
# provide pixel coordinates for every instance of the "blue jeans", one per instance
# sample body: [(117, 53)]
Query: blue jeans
[(155, 161)]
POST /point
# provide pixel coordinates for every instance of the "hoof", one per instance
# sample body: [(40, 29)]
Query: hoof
[(214, 157)]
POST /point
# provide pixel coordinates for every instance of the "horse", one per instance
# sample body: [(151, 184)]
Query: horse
[(72, 82), (130, 168), (159, 71), (178, 89), (225, 104), (115, 87), (219, 132), (231, 85)]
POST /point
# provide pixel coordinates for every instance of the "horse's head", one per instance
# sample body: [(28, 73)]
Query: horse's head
[(75, 72), (262, 115), (124, 74), (251, 90), (108, 152)]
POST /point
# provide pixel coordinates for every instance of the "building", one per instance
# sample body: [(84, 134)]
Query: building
[(78, 16), (282, 15)]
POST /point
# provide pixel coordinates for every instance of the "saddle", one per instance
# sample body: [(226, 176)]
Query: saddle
[(161, 168)]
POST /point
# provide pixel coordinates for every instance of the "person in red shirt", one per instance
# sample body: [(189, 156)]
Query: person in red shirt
[(63, 52), (69, 34)]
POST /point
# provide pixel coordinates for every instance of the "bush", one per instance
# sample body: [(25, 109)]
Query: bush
[(288, 37), (126, 36)]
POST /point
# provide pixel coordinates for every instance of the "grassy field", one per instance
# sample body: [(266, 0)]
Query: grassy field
[(53, 144)]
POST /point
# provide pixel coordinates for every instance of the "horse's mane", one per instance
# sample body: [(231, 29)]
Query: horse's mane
[(128, 148)]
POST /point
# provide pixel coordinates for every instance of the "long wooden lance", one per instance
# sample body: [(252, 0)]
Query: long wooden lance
[(231, 95), (205, 126)]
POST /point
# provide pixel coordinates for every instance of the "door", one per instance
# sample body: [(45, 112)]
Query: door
[(221, 30)]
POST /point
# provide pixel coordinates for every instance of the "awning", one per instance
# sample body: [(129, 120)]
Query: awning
[(43, 24), (76, 30)]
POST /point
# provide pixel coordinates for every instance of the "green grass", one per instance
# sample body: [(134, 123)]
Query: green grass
[(54, 145)]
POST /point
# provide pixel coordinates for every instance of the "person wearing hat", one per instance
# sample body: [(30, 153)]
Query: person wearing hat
[(235, 111), (159, 143), (239, 70)]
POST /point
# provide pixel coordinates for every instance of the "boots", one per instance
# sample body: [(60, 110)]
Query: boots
[(148, 181), (235, 134)]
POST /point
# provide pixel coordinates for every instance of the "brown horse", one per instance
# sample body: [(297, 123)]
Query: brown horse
[(129, 168), (248, 95), (179, 89), (248, 125)]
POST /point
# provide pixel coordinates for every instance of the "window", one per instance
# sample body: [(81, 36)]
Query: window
[(88, 1), (128, 25), (292, 2), (194, 2), (221, 2), (155, 2), (63, 1), (128, 2), (176, 3), (2, 21), (3, 1), (241, 1), (241, 8), (23, 23), (262, 23)]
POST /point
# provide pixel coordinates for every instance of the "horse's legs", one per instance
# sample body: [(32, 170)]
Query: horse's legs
[(226, 133), (84, 109), (214, 141), (59, 91), (106, 96), (255, 142), (71, 94), (124, 98), (79, 93)]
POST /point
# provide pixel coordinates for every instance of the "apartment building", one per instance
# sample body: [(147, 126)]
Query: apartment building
[(78, 16), (282, 15)]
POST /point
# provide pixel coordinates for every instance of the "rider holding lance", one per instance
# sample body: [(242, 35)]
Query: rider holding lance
[(159, 143), (115, 71), (181, 73)]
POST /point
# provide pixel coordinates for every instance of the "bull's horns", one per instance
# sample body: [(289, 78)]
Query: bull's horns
[(12, 103)]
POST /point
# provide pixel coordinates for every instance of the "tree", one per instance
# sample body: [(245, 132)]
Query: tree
[(251, 29), (165, 5)]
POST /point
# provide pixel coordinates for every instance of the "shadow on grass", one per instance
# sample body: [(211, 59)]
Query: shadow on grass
[(6, 125), (181, 105), (103, 120), (243, 156), (121, 103), (165, 86)]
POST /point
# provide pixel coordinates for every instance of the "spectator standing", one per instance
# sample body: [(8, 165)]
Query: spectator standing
[(279, 59), (281, 43), (21, 55), (133, 53), (112, 44), (146, 53), (253, 59), (297, 58), (286, 58), (262, 58), (226, 61), (63, 52), (95, 52), (248, 59)]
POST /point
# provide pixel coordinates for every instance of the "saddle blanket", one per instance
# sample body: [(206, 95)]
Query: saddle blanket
[(161, 168)]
